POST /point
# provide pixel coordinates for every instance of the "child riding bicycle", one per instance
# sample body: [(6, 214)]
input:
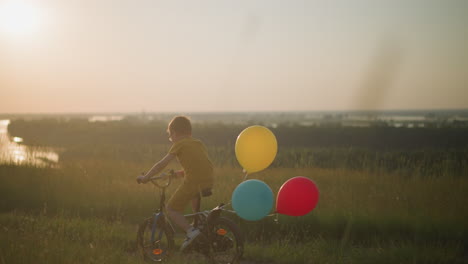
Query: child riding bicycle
[(197, 173)]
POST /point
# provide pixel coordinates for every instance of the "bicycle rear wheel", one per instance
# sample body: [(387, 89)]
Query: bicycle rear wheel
[(158, 246), (226, 241)]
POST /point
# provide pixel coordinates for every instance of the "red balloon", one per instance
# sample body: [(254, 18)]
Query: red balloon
[(297, 196)]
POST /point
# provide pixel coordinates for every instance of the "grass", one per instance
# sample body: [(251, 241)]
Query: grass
[(86, 211), (320, 250), (39, 238), (33, 238)]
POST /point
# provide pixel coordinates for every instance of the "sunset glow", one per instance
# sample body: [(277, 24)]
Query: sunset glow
[(209, 56), (20, 18)]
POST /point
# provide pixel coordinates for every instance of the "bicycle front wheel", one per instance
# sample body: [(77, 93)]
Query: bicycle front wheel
[(226, 241), (155, 245)]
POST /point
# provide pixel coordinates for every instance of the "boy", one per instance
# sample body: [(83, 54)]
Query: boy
[(197, 173)]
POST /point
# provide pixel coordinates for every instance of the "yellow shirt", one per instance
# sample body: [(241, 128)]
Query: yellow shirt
[(193, 158)]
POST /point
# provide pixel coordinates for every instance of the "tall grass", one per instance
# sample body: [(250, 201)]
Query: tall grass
[(35, 238), (376, 205), (428, 151), (358, 210)]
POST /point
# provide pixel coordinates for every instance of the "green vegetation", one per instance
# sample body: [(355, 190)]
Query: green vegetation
[(359, 215), (392, 206), (425, 151)]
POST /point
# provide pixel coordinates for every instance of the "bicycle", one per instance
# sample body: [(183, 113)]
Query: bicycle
[(221, 240)]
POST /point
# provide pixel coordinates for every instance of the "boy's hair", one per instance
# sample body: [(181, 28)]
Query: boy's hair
[(180, 125)]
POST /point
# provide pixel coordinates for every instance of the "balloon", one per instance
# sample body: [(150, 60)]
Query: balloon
[(256, 148), (252, 200), (297, 196)]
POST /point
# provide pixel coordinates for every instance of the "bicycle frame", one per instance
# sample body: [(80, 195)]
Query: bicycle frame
[(160, 215), (154, 225), (155, 236)]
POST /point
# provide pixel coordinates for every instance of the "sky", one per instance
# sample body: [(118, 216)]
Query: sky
[(199, 56)]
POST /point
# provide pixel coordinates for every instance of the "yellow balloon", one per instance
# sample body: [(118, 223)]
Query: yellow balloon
[(256, 148)]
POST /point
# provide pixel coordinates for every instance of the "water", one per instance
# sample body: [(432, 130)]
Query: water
[(105, 118), (12, 151)]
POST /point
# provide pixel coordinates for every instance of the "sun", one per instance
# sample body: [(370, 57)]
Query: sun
[(20, 17)]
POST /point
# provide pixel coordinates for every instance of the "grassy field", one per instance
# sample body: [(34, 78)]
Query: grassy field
[(87, 211), (386, 195)]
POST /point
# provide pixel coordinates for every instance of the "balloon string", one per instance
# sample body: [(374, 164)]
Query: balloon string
[(276, 218), (245, 177)]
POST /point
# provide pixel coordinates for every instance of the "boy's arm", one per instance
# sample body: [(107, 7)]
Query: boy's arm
[(159, 166)]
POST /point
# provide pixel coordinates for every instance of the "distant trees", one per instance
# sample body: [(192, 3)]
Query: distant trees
[(61, 133), (427, 151)]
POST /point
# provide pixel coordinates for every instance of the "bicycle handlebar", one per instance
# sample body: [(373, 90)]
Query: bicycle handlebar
[(155, 179)]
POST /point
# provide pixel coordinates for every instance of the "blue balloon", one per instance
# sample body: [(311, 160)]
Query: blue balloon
[(252, 200)]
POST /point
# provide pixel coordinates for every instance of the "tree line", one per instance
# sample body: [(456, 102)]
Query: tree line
[(65, 133)]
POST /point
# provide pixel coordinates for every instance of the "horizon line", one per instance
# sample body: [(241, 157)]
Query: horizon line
[(235, 112)]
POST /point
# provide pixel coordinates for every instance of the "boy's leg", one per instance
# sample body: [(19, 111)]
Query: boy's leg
[(195, 209), (178, 218), (196, 204), (179, 200)]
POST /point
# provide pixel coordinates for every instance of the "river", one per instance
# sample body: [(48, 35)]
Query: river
[(12, 151)]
